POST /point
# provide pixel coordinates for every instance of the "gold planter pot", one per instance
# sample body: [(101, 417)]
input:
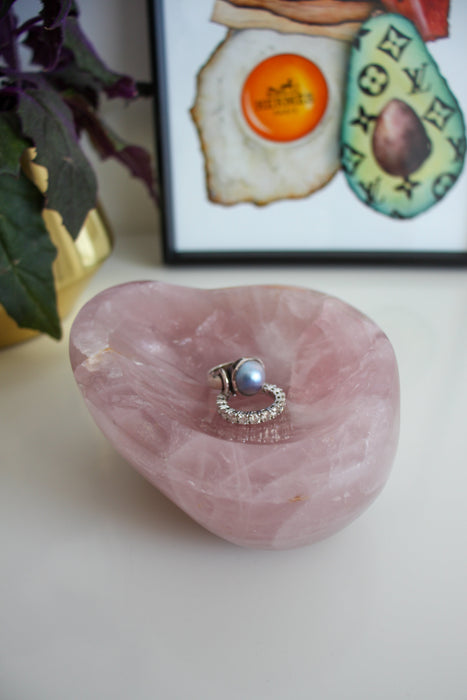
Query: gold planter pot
[(76, 261)]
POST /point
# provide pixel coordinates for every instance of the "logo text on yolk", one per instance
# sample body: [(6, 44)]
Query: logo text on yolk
[(284, 97)]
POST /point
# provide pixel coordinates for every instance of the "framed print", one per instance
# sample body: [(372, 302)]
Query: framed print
[(312, 130)]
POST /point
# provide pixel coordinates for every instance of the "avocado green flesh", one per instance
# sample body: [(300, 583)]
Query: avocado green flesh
[(403, 134)]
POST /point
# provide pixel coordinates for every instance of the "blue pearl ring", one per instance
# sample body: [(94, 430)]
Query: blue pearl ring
[(245, 376)]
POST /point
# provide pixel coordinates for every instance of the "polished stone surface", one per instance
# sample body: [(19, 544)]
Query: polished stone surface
[(141, 352)]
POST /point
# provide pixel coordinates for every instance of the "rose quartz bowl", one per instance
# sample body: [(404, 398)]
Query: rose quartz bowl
[(141, 352)]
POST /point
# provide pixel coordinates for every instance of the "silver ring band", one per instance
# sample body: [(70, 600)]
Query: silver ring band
[(236, 415), (245, 376)]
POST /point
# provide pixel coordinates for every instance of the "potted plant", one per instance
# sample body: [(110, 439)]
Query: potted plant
[(45, 107)]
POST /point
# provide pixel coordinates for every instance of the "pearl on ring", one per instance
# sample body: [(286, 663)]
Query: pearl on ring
[(244, 376), (250, 377)]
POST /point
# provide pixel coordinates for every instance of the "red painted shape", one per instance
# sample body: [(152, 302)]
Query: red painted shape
[(429, 16)]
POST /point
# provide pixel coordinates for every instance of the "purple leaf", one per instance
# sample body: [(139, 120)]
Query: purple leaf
[(71, 79), (8, 50), (5, 7), (46, 45), (123, 87), (72, 187), (138, 162), (54, 12), (109, 145), (87, 60)]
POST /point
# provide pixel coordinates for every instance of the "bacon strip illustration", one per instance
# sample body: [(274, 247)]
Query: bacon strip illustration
[(314, 11)]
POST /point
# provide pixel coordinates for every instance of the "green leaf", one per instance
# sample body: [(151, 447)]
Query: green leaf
[(26, 254), (72, 187), (12, 144)]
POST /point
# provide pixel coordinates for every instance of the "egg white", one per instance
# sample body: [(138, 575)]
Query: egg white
[(240, 165)]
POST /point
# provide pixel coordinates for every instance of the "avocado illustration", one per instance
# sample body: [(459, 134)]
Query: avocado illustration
[(403, 134)]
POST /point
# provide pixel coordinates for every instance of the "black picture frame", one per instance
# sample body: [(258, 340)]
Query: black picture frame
[(164, 52)]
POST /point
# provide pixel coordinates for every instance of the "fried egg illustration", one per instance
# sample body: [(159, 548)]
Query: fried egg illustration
[(268, 109)]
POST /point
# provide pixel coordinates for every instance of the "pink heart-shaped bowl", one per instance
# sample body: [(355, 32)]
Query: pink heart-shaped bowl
[(141, 352)]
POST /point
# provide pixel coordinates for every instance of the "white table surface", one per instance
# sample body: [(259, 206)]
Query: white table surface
[(109, 592)]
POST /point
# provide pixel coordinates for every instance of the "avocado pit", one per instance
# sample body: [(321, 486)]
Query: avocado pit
[(400, 143)]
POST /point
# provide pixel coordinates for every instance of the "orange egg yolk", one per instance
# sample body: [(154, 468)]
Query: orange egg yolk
[(284, 97)]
